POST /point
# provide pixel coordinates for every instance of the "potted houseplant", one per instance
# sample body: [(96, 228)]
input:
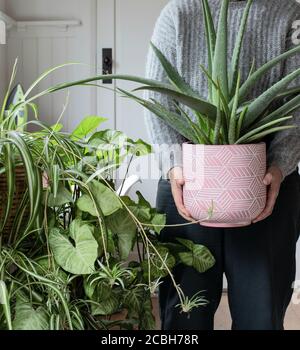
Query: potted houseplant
[(225, 161)]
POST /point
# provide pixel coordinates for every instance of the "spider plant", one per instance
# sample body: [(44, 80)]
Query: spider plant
[(66, 263), (226, 117)]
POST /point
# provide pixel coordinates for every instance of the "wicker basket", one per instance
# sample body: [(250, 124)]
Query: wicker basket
[(20, 189)]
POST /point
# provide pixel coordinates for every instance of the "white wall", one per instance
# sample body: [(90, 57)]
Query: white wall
[(41, 48), (2, 60)]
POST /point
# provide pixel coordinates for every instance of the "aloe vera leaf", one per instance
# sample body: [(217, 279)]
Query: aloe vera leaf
[(174, 120), (240, 122), (172, 73), (233, 118), (220, 69), (263, 127), (288, 107), (261, 135), (196, 104), (218, 124), (237, 49), (210, 39), (265, 99), (259, 73)]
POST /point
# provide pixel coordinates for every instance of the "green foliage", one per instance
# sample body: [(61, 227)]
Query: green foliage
[(86, 127), (66, 261), (27, 318), (197, 256)]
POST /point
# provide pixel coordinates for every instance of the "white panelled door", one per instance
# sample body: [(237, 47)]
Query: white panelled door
[(126, 26)]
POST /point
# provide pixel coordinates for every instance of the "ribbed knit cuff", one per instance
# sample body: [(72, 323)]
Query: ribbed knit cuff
[(279, 160)]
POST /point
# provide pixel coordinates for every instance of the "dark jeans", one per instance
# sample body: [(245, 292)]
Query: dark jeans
[(258, 261)]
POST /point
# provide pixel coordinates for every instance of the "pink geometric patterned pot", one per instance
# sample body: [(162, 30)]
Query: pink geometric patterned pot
[(224, 184)]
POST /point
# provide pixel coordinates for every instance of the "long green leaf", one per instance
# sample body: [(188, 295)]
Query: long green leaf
[(4, 300), (261, 128), (220, 69), (45, 74), (240, 122), (132, 78), (219, 91), (237, 49), (10, 181), (264, 100), (12, 78), (268, 132), (33, 180), (258, 74), (194, 103), (233, 117), (210, 39), (174, 120), (218, 124), (285, 109), (172, 73)]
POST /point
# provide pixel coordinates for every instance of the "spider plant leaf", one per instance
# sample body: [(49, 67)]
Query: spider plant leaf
[(210, 39), (261, 135), (45, 75), (237, 50), (258, 74), (174, 120), (195, 103), (233, 118), (257, 130), (5, 301), (172, 73), (220, 69), (288, 107), (10, 181), (6, 97), (265, 99), (24, 151)]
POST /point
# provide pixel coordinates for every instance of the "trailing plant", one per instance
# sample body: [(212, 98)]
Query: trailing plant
[(226, 116), (67, 262)]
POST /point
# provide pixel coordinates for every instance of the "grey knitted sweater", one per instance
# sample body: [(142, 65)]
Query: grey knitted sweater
[(179, 33)]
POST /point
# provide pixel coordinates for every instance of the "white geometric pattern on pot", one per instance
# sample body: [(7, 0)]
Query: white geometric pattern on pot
[(224, 184)]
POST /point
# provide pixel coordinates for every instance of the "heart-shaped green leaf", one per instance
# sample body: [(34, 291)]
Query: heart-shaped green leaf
[(102, 197), (29, 319), (198, 256), (79, 255)]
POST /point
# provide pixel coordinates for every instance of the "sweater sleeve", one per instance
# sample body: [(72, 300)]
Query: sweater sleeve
[(285, 148), (166, 141)]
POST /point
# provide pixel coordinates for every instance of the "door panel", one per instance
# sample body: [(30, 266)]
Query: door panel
[(126, 26)]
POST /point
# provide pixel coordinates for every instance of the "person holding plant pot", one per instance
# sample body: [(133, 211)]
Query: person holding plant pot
[(259, 259)]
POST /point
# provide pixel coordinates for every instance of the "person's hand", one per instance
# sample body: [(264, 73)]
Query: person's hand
[(273, 180), (177, 181)]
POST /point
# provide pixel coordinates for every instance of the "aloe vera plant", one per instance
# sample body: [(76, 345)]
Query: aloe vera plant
[(226, 117)]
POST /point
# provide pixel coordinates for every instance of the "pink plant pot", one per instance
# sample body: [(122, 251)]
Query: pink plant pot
[(224, 184)]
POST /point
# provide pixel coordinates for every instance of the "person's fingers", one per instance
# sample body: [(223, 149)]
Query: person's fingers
[(271, 197), (268, 179), (178, 198)]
